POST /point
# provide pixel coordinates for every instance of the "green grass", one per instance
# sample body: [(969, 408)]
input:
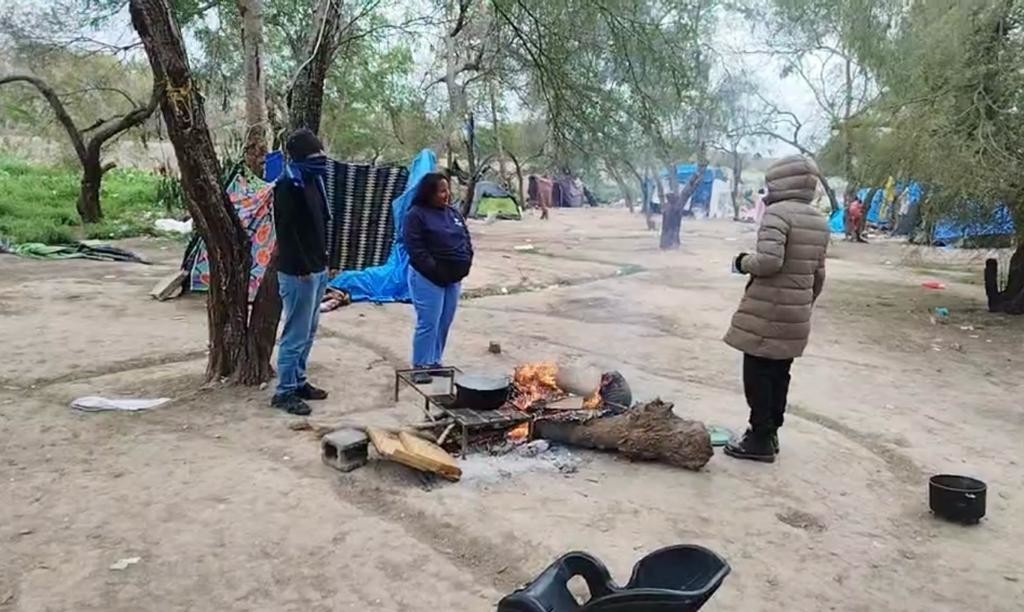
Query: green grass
[(37, 203)]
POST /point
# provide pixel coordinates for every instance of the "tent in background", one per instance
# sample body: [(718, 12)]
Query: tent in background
[(387, 282), (253, 200), (491, 198)]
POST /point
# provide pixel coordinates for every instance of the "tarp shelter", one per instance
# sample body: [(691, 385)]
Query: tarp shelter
[(566, 192), (253, 200), (492, 199), (996, 222), (701, 197), (360, 231), (387, 282)]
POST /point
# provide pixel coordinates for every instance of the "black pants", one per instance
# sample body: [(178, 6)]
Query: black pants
[(766, 385)]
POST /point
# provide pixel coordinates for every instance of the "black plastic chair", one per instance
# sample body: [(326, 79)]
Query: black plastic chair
[(673, 579)]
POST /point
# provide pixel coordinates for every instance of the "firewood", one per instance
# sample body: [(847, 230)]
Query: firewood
[(645, 432)]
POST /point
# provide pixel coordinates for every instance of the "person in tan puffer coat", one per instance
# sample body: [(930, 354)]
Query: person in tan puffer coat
[(773, 322)]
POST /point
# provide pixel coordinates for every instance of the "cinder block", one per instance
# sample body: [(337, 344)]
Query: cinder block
[(344, 449)]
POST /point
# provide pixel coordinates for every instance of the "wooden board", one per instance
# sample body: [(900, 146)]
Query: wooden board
[(417, 453), (169, 286)]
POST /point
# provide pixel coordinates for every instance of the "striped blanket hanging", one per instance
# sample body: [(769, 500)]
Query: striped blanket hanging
[(361, 231)]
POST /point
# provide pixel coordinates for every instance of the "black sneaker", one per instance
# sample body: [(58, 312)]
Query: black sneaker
[(309, 392), (775, 442), (291, 403), (752, 446), (421, 378)]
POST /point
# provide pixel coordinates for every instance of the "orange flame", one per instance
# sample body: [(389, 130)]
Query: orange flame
[(519, 432), (592, 401), (535, 382)]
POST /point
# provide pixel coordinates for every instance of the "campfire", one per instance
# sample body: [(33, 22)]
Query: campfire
[(535, 382)]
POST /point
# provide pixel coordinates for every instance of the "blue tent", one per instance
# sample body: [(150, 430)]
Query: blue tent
[(387, 282), (701, 197), (997, 222)]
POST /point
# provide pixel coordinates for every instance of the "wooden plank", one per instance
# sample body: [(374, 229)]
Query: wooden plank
[(169, 286), (409, 450)]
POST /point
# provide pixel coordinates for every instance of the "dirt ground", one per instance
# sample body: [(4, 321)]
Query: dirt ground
[(229, 509)]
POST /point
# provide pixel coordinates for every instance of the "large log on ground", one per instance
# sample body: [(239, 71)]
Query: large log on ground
[(645, 432)]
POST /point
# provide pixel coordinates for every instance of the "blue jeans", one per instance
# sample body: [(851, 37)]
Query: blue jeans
[(300, 304), (435, 311)]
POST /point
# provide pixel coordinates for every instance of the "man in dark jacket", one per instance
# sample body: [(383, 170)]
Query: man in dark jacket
[(301, 215)]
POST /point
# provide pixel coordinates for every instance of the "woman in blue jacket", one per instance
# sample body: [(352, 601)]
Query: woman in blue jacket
[(440, 256)]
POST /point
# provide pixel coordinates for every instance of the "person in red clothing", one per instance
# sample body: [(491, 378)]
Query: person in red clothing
[(853, 220)]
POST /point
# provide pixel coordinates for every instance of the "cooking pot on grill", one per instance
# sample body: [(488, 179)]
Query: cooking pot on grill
[(481, 391)]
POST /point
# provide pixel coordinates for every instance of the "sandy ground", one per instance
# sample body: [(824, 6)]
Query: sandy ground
[(228, 509)]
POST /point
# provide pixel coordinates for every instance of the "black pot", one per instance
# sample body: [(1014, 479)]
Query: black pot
[(957, 498), (481, 392)]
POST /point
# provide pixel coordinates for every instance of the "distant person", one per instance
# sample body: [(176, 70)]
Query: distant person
[(759, 206), (773, 322), (440, 256), (300, 218), (854, 219)]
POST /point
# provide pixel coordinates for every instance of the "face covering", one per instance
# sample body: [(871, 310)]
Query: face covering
[(315, 165)]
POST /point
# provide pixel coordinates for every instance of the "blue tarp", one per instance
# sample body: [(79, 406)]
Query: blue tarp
[(387, 282), (273, 166), (997, 223), (701, 197)]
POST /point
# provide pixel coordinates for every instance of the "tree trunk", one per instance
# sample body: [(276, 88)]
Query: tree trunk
[(627, 195), (737, 174), (467, 201), (255, 91), (519, 179), (646, 432), (214, 215), (89, 190), (831, 193), (306, 98), (89, 153), (659, 187), (496, 125), (672, 214)]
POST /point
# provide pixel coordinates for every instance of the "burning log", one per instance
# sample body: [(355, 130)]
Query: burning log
[(645, 432)]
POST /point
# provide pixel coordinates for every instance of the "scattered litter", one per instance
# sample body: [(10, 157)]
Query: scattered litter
[(99, 404), (720, 436), (25, 532), (888, 263), (941, 312), (956, 347), (890, 407), (524, 247), (173, 226), (967, 327), (110, 277), (932, 284), (122, 564), (494, 348), (504, 290), (730, 239)]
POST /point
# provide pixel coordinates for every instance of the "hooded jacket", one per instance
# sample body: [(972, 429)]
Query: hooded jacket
[(438, 243), (788, 269)]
